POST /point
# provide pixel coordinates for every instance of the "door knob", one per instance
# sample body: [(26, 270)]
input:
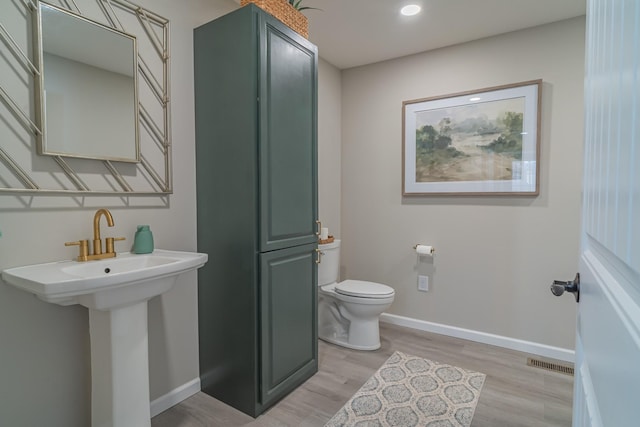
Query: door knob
[(559, 287)]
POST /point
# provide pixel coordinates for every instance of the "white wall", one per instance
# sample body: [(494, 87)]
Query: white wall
[(495, 256), (44, 348)]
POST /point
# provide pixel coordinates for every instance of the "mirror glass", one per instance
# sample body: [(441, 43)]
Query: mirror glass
[(87, 94)]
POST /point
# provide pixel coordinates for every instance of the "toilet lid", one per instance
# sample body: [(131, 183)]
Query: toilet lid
[(360, 288)]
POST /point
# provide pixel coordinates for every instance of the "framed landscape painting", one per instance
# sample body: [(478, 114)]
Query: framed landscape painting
[(482, 142)]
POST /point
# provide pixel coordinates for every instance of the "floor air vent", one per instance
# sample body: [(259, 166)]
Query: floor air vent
[(555, 367)]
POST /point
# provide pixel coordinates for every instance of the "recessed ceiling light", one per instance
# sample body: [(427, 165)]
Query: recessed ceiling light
[(410, 10), (475, 98)]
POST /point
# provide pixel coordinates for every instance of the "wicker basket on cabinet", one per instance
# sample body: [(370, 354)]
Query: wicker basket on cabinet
[(284, 12)]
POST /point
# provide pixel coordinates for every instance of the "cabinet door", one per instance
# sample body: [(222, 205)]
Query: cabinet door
[(287, 137), (288, 300)]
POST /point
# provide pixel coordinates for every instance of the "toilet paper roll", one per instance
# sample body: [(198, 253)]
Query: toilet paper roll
[(424, 250), (324, 233)]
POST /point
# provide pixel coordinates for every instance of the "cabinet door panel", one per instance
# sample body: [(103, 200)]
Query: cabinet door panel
[(288, 184), (288, 292)]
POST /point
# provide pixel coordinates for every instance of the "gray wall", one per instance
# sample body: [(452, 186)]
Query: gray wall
[(329, 146), (495, 256), (44, 348), (44, 351)]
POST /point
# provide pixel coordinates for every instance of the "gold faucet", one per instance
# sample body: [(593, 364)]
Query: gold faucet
[(97, 241)]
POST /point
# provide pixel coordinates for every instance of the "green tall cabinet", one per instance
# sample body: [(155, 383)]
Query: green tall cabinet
[(256, 160)]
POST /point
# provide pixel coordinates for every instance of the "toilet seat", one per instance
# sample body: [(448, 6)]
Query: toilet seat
[(363, 289)]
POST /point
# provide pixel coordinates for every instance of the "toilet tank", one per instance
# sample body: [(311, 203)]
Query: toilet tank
[(329, 266)]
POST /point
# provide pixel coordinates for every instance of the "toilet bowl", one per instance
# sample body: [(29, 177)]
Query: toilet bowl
[(348, 311)]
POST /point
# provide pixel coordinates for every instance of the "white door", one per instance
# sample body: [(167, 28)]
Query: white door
[(607, 381)]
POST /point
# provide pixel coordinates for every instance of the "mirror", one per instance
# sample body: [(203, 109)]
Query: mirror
[(87, 95), (23, 170)]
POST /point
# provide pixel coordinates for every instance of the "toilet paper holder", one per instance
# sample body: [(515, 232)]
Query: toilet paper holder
[(424, 249)]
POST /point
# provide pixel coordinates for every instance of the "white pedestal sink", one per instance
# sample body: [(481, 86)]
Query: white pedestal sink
[(116, 291)]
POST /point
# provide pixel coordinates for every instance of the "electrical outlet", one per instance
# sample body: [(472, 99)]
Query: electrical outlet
[(423, 283)]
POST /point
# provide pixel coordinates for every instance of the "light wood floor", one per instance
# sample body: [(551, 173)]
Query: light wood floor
[(514, 394)]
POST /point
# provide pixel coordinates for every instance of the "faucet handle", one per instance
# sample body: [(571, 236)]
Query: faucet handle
[(109, 244), (83, 250)]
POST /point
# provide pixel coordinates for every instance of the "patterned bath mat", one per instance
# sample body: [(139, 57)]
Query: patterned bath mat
[(410, 391)]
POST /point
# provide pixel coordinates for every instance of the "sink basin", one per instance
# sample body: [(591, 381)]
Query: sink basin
[(105, 284), (116, 291)]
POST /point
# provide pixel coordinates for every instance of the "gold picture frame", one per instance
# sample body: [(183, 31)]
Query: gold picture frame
[(479, 142)]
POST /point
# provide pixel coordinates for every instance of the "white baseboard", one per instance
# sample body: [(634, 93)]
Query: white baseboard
[(483, 337), (175, 396)]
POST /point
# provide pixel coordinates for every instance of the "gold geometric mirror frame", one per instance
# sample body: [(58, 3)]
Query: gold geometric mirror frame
[(22, 169)]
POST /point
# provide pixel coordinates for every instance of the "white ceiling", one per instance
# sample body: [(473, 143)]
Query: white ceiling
[(350, 33)]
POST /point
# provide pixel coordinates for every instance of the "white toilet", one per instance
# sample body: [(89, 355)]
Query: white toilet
[(348, 311)]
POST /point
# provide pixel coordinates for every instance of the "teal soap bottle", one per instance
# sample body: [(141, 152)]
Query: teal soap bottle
[(143, 241)]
